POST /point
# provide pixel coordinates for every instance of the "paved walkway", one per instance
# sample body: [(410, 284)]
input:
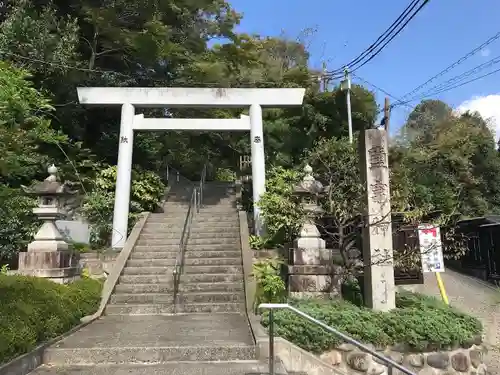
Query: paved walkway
[(476, 298)]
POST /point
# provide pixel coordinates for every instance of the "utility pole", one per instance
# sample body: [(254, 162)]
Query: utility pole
[(387, 114), (345, 85), (324, 78)]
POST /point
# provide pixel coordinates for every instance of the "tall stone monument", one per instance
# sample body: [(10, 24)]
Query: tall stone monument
[(49, 255), (379, 288)]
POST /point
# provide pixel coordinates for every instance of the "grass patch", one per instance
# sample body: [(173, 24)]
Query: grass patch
[(34, 310)]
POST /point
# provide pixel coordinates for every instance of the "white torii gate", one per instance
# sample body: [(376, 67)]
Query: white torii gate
[(155, 97)]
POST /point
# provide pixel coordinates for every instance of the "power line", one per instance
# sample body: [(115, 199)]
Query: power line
[(379, 89), (381, 38), (461, 77), (449, 88), (124, 75), (396, 24), (456, 63)]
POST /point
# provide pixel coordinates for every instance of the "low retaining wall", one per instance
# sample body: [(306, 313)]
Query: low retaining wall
[(462, 361), (98, 264)]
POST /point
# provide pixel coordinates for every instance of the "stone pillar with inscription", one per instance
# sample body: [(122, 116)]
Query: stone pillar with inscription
[(379, 288)]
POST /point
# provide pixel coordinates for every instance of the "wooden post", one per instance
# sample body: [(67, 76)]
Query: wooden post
[(387, 114)]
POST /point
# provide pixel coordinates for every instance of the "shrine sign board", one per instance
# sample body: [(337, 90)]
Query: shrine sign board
[(431, 248)]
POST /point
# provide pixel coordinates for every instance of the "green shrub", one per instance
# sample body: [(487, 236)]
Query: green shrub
[(280, 208), (270, 287), (34, 310), (424, 323), (147, 190), (225, 174), (17, 222)]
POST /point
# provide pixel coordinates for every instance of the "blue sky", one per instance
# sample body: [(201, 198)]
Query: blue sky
[(444, 31)]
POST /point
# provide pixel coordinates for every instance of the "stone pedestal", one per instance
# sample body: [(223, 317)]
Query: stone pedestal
[(59, 266), (49, 255)]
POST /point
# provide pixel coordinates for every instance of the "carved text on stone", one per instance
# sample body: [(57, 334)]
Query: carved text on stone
[(379, 192), (382, 257), (377, 157), (379, 226)]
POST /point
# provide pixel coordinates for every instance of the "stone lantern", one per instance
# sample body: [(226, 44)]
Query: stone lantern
[(311, 272), (49, 255), (309, 190)]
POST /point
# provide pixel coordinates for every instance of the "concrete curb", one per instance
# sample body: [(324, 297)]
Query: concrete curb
[(247, 256), (28, 362), (110, 283)]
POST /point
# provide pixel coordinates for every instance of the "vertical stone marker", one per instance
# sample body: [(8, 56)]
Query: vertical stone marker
[(379, 288)]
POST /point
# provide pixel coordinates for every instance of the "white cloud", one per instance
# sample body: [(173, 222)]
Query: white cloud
[(485, 52), (489, 108)]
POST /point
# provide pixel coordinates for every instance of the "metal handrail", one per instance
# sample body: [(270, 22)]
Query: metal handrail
[(274, 306), (179, 260), (201, 186)]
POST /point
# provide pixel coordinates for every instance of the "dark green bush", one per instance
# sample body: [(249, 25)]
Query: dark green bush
[(34, 310), (418, 321)]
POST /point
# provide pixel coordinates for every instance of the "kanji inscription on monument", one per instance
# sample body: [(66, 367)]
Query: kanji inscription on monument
[(377, 233), (377, 156)]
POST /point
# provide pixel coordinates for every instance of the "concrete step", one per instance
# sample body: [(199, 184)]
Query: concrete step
[(219, 208), (212, 247), (167, 271), (171, 368), (167, 298), (208, 217), (229, 287), (168, 309), (210, 202), (211, 297), (195, 229), (168, 287), (136, 255), (213, 240), (189, 247), (142, 298), (150, 263), (188, 254), (213, 269), (156, 249), (146, 355), (193, 241), (187, 262), (177, 226), (165, 241), (198, 234), (185, 278)]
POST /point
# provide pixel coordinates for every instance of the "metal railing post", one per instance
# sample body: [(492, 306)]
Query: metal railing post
[(271, 342), (196, 199)]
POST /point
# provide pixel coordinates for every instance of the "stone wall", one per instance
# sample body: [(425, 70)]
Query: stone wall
[(350, 360), (98, 264)]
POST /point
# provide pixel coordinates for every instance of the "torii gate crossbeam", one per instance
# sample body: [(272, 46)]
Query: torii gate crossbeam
[(154, 97)]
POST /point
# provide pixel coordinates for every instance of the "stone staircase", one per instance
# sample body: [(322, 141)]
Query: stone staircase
[(138, 333)]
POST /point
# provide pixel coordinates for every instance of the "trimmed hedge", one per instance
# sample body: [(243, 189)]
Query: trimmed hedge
[(421, 322), (34, 310)]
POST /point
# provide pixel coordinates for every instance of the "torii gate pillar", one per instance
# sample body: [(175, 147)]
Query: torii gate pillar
[(154, 97)]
